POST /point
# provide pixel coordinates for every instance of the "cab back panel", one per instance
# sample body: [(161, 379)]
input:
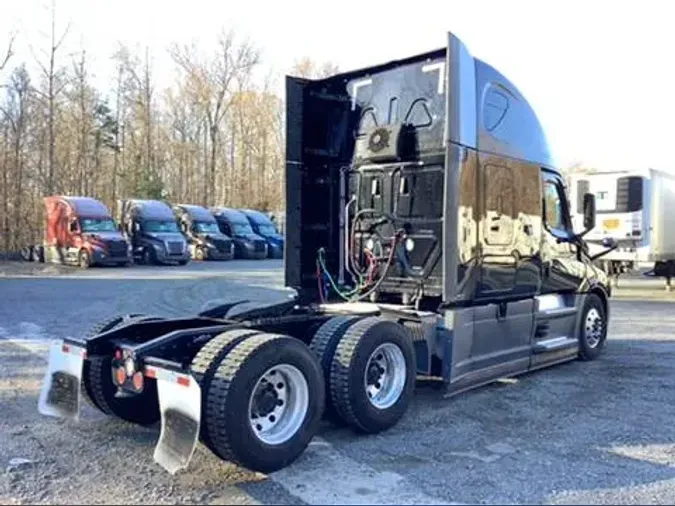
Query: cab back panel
[(329, 124)]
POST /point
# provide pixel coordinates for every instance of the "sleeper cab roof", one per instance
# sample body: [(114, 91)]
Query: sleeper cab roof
[(233, 215), (197, 213)]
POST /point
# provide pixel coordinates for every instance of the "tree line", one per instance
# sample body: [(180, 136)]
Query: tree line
[(212, 136)]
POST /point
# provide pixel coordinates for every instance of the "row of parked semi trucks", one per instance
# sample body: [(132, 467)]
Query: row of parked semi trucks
[(82, 231)]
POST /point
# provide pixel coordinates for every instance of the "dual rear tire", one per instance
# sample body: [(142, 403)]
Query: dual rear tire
[(369, 371), (262, 398), (264, 395)]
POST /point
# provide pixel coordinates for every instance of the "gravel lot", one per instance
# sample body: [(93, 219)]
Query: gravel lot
[(583, 433)]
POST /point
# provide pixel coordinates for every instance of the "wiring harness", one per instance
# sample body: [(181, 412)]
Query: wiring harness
[(367, 279)]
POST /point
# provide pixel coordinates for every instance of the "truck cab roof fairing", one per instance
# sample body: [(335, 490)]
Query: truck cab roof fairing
[(197, 213), (151, 209), (86, 206), (486, 111), (259, 217), (233, 215), (507, 123)]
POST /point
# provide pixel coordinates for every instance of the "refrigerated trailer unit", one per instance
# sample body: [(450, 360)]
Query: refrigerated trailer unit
[(636, 212), (427, 234)]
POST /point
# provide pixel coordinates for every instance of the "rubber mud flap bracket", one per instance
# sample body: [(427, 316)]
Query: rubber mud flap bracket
[(60, 393), (180, 400)]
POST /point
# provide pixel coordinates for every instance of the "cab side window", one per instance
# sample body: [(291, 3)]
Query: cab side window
[(555, 208)]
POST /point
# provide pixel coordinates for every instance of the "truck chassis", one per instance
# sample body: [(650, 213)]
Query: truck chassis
[(253, 387)]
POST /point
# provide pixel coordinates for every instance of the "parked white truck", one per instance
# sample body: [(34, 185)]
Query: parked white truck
[(636, 214)]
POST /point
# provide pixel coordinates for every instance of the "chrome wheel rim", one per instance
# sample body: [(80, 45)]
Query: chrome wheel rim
[(385, 375), (278, 404), (593, 327)]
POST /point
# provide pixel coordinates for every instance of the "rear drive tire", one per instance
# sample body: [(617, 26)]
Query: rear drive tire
[(373, 374), (207, 360), (265, 402), (99, 389), (323, 345), (592, 328)]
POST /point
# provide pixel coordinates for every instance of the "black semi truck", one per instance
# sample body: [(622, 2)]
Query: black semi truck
[(428, 233), (206, 241), (153, 232)]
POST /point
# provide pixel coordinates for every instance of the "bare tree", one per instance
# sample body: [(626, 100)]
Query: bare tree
[(55, 86), (15, 113), (309, 69), (8, 53), (216, 80)]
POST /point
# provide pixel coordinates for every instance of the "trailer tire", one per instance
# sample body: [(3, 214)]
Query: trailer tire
[(99, 390), (592, 328), (323, 345), (292, 420), (388, 343), (207, 360)]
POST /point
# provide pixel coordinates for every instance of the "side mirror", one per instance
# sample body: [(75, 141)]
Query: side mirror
[(73, 226), (589, 212)]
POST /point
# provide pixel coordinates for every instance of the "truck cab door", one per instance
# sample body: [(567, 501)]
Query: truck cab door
[(562, 276), (73, 239), (562, 271)]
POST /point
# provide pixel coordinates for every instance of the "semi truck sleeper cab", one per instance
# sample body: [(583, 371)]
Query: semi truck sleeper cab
[(153, 232), (81, 231), (207, 242), (427, 233)]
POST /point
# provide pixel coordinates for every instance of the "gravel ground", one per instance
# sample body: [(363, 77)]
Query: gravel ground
[(580, 433)]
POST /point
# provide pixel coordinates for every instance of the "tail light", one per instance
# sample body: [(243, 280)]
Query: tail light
[(120, 376), (137, 381)]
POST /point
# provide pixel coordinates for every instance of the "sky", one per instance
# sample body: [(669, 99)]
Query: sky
[(597, 73)]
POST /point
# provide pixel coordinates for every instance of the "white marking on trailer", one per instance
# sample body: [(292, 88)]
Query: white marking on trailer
[(355, 89), (440, 67), (323, 475)]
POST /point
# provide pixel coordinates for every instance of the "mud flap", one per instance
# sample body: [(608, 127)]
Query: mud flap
[(60, 394), (180, 399)]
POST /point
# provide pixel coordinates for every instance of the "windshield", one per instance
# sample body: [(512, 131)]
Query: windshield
[(154, 226), (242, 228), (97, 225), (267, 229), (206, 228)]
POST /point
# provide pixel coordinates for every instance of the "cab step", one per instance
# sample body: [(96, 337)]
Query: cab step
[(555, 344)]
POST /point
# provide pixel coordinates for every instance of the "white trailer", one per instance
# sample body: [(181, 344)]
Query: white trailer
[(636, 211)]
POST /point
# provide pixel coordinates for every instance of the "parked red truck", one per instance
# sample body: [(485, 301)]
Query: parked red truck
[(81, 231)]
